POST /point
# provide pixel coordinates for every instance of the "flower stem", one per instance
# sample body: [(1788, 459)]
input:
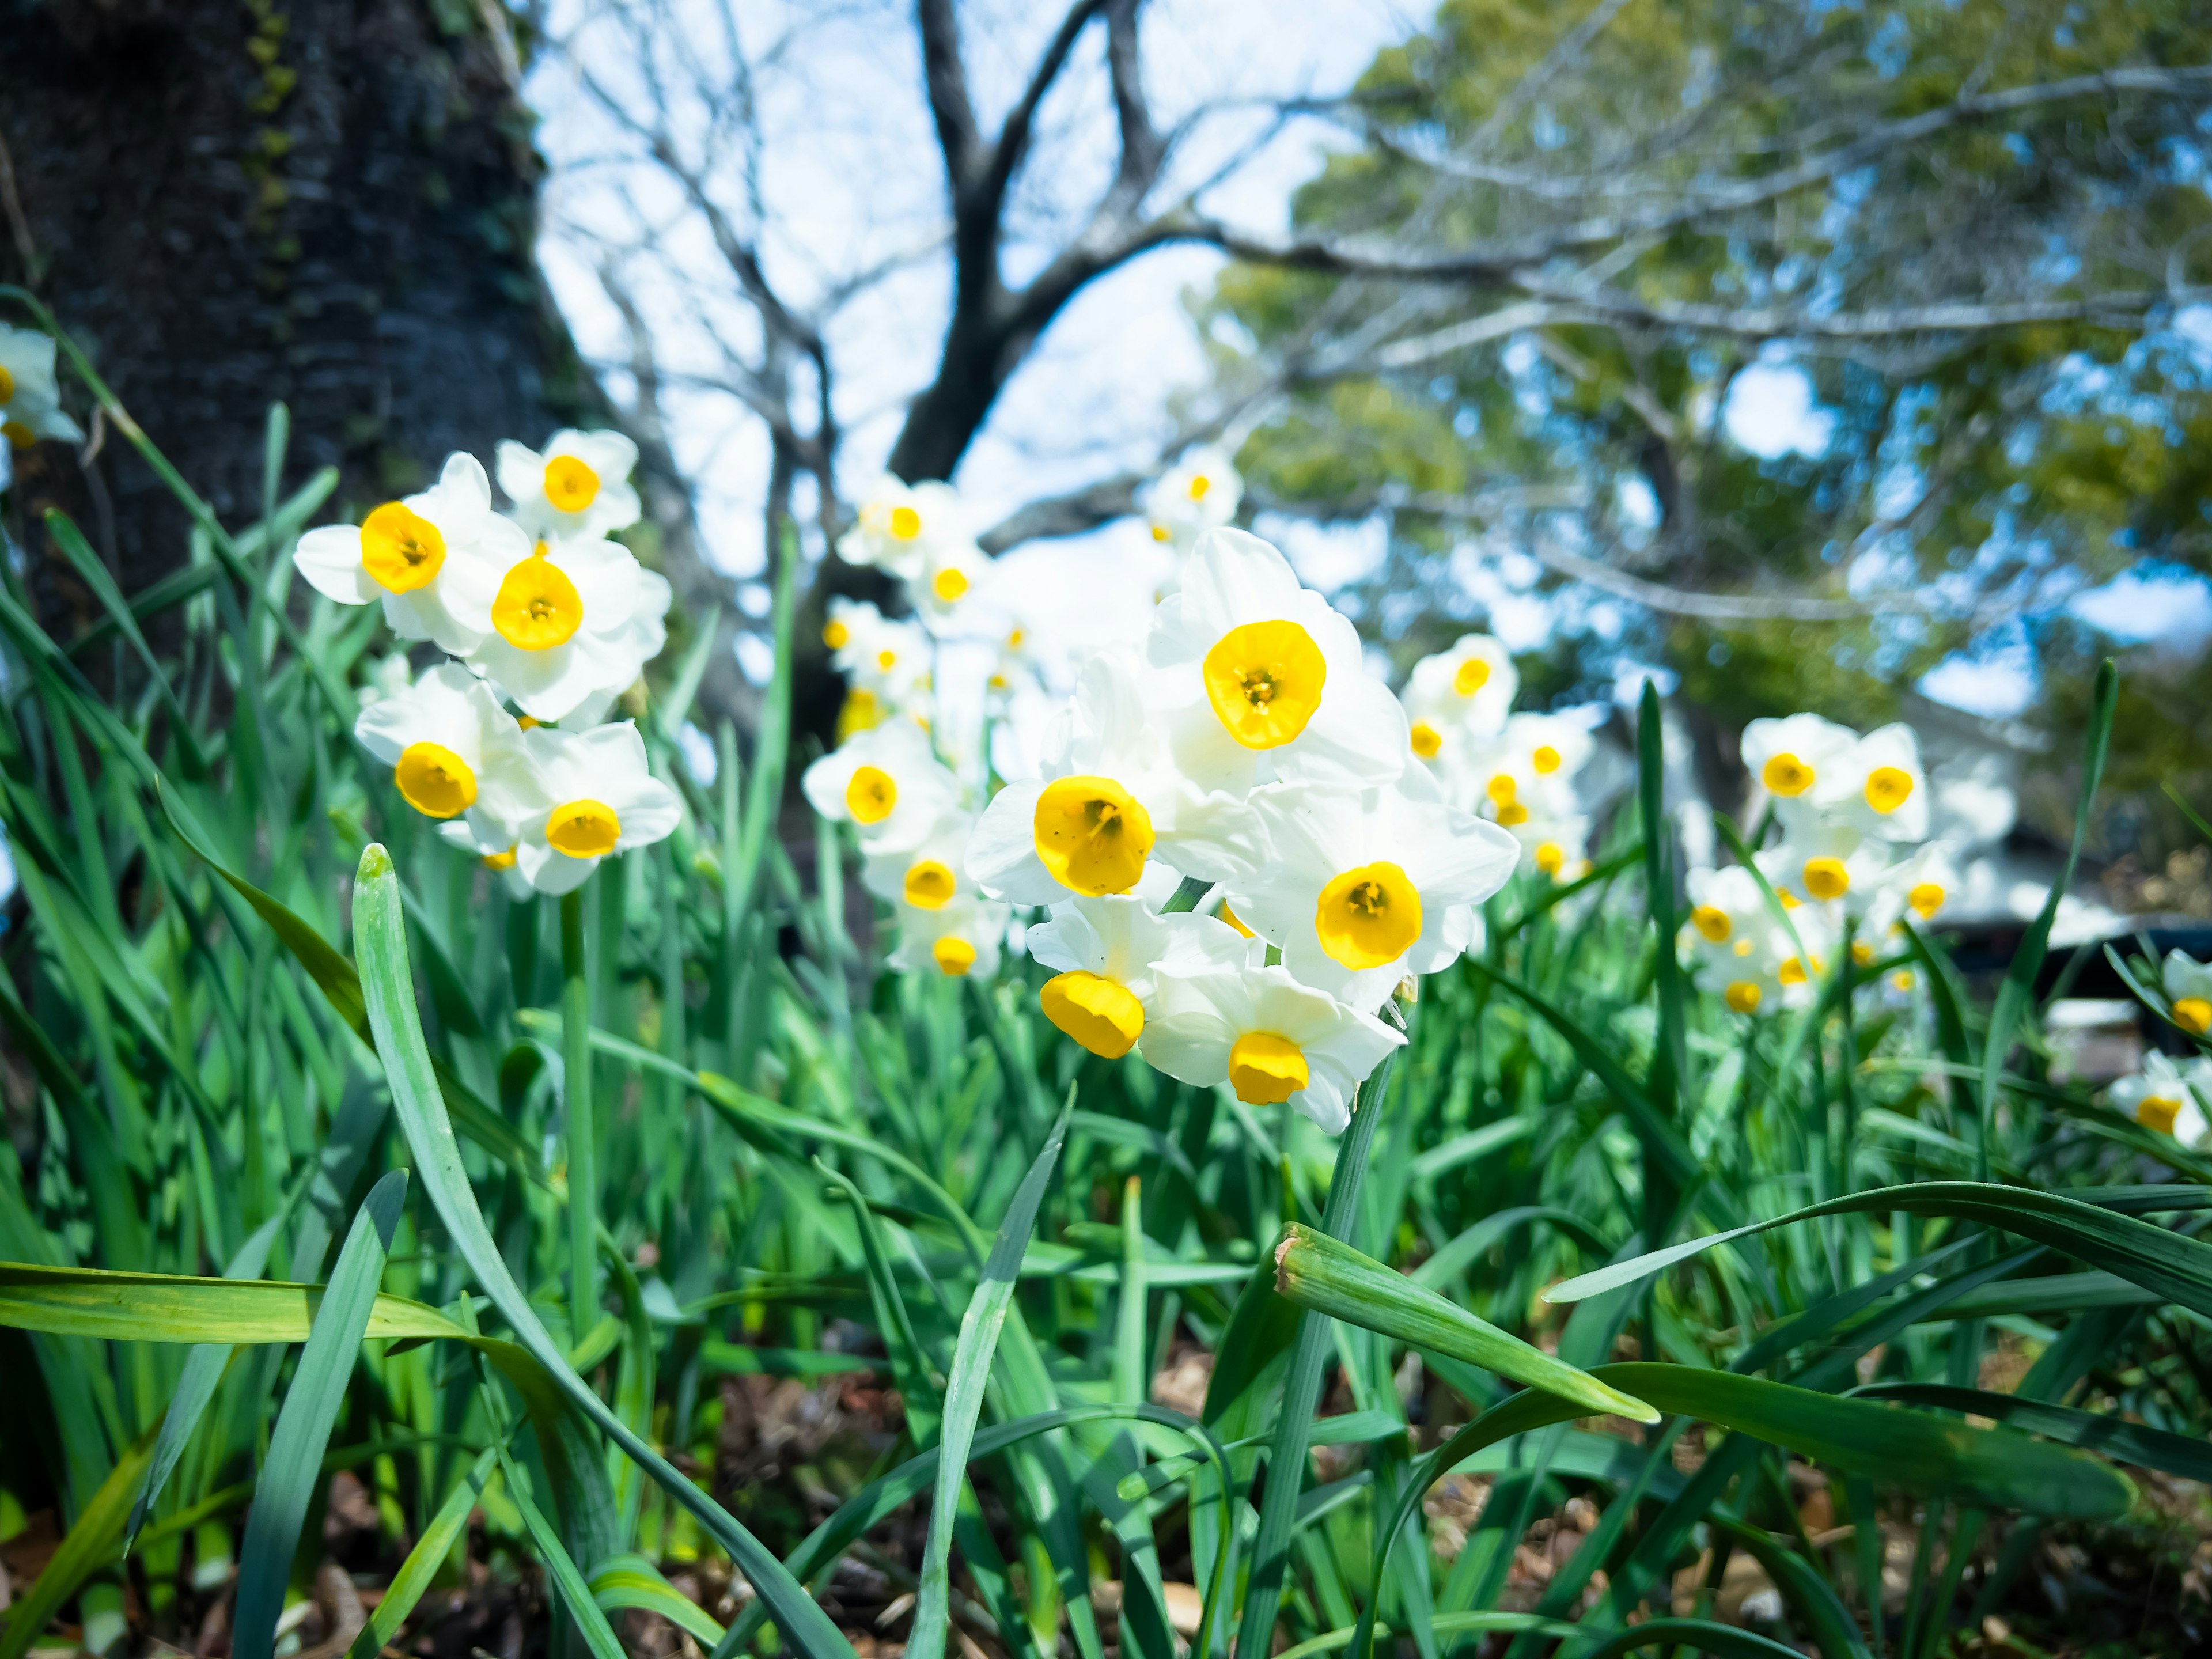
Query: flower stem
[(576, 1103)]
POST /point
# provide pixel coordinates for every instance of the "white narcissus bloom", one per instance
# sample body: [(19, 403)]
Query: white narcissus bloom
[(565, 628), (433, 559), (1256, 677), (450, 745), (1740, 951), (887, 783), (1917, 887), (577, 489), (1795, 756), (1876, 785), (30, 398), (1358, 887), (955, 939), (585, 795), (1110, 799), (1199, 493), (1827, 862), (928, 875), (1269, 1038), (1110, 954), (1470, 687), (2161, 1098), (2189, 992), (949, 575), (899, 524)]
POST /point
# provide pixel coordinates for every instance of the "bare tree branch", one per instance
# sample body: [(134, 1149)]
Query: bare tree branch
[(944, 78)]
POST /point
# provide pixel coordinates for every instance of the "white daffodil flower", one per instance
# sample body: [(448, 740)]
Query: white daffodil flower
[(1792, 756), (1269, 1038), (899, 524), (2189, 992), (566, 628), (1876, 785), (433, 559), (1358, 887), (1558, 846), (1109, 799), (584, 795), (2161, 1096), (577, 488), (1917, 887), (887, 783), (1255, 678), (1829, 862), (30, 397), (1109, 954), (928, 875), (886, 663), (1199, 493), (960, 938), (1470, 687), (449, 744), (950, 573)]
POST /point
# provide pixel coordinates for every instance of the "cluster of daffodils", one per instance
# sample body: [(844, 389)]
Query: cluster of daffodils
[(1853, 861), (30, 399), (2175, 1097), (1238, 853), (540, 611)]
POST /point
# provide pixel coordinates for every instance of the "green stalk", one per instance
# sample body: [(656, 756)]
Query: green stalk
[(576, 1101), (1287, 1458)]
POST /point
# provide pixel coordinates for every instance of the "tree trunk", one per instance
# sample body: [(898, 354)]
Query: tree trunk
[(332, 202)]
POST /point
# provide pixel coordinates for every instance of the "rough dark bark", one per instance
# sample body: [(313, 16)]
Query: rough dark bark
[(229, 202)]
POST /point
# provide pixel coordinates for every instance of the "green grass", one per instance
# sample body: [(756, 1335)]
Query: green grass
[(247, 986)]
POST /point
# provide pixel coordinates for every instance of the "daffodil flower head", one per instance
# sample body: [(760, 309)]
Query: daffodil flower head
[(448, 742), (2188, 985), (1267, 1037), (962, 937), (30, 398), (565, 627), (1877, 786), (886, 660), (928, 875), (1199, 493), (898, 526), (1110, 811), (887, 783), (2166, 1097), (945, 586), (1470, 687), (1108, 956), (1255, 678), (1915, 888), (1794, 757), (1358, 887), (577, 488), (1829, 862), (432, 559), (1740, 952), (589, 793)]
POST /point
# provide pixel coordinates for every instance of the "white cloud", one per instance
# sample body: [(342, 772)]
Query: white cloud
[(2172, 607)]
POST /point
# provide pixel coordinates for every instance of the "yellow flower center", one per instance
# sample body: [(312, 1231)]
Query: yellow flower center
[(1265, 1069), (1927, 898), (1427, 740), (569, 484), (6, 386), (1235, 920), (1512, 815), (1369, 916), (1500, 789), (1098, 1012), (1092, 835), (1161, 532), (583, 829), (949, 584), (401, 549), (1547, 759), (1264, 682), (1200, 483), (929, 884), (835, 636), (1471, 676), (18, 435), (1743, 947), (434, 780), (2193, 1015), (500, 861), (862, 711), (1888, 788), (537, 607), (1862, 952), (886, 660), (1712, 921), (906, 524), (1791, 972), (1014, 640), (870, 794), (1826, 878), (953, 954), (1742, 996), (1789, 900), (2158, 1112), (1551, 857), (1902, 979), (1785, 775)]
